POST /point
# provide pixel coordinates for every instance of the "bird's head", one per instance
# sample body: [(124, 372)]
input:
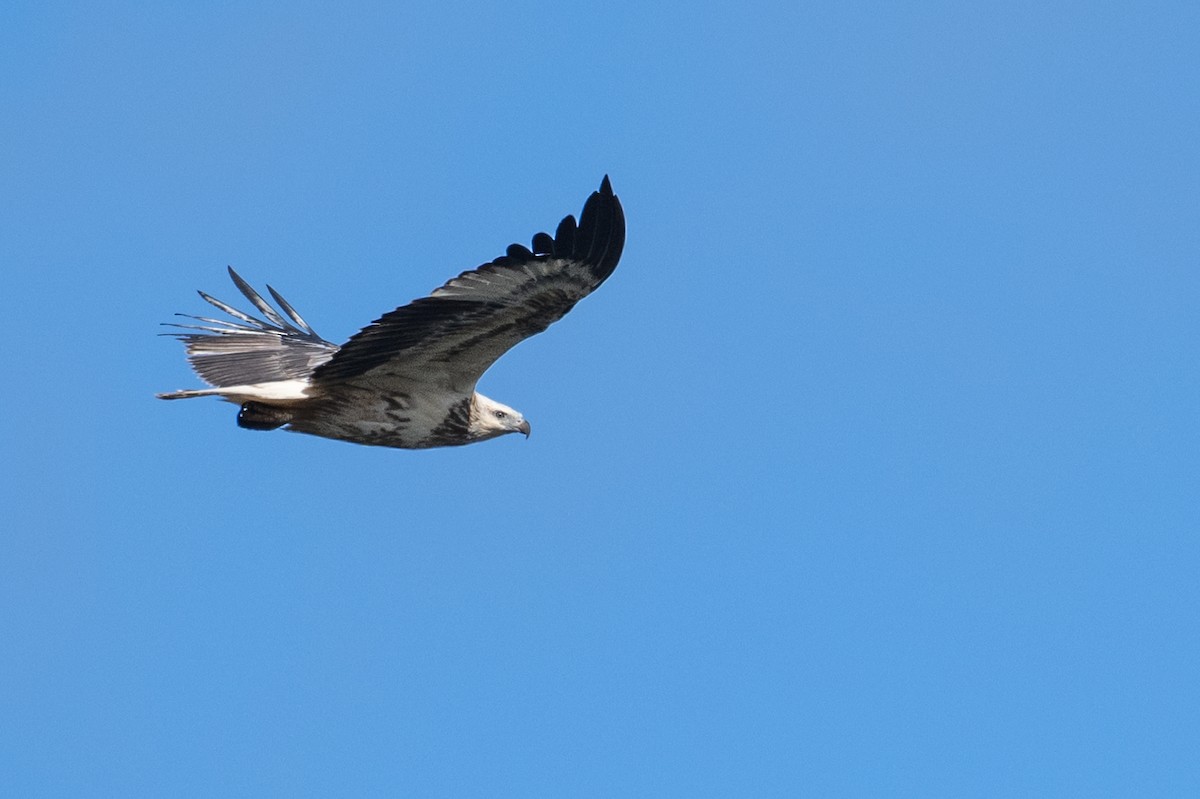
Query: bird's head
[(490, 419)]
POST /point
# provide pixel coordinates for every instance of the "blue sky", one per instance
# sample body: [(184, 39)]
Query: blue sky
[(871, 471)]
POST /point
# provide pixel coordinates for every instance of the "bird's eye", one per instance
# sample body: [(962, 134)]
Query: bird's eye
[(501, 414)]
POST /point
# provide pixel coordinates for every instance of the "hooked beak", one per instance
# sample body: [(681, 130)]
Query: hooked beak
[(523, 427)]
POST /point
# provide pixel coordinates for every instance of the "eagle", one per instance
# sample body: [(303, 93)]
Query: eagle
[(408, 379)]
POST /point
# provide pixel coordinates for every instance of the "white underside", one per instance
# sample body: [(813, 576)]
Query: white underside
[(274, 391)]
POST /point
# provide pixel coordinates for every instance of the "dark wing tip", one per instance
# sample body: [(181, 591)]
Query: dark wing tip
[(599, 237), (595, 241)]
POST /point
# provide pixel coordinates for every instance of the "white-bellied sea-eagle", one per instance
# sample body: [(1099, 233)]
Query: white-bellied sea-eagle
[(407, 379)]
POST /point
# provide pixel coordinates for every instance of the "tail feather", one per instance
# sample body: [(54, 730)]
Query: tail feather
[(188, 393), (250, 350)]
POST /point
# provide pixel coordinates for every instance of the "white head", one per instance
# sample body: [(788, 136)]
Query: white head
[(490, 419)]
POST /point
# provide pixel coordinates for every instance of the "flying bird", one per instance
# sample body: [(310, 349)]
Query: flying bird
[(408, 379)]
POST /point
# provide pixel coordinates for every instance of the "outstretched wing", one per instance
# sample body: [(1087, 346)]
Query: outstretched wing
[(451, 337), (251, 350)]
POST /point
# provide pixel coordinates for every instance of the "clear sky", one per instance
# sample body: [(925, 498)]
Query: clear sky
[(872, 471)]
